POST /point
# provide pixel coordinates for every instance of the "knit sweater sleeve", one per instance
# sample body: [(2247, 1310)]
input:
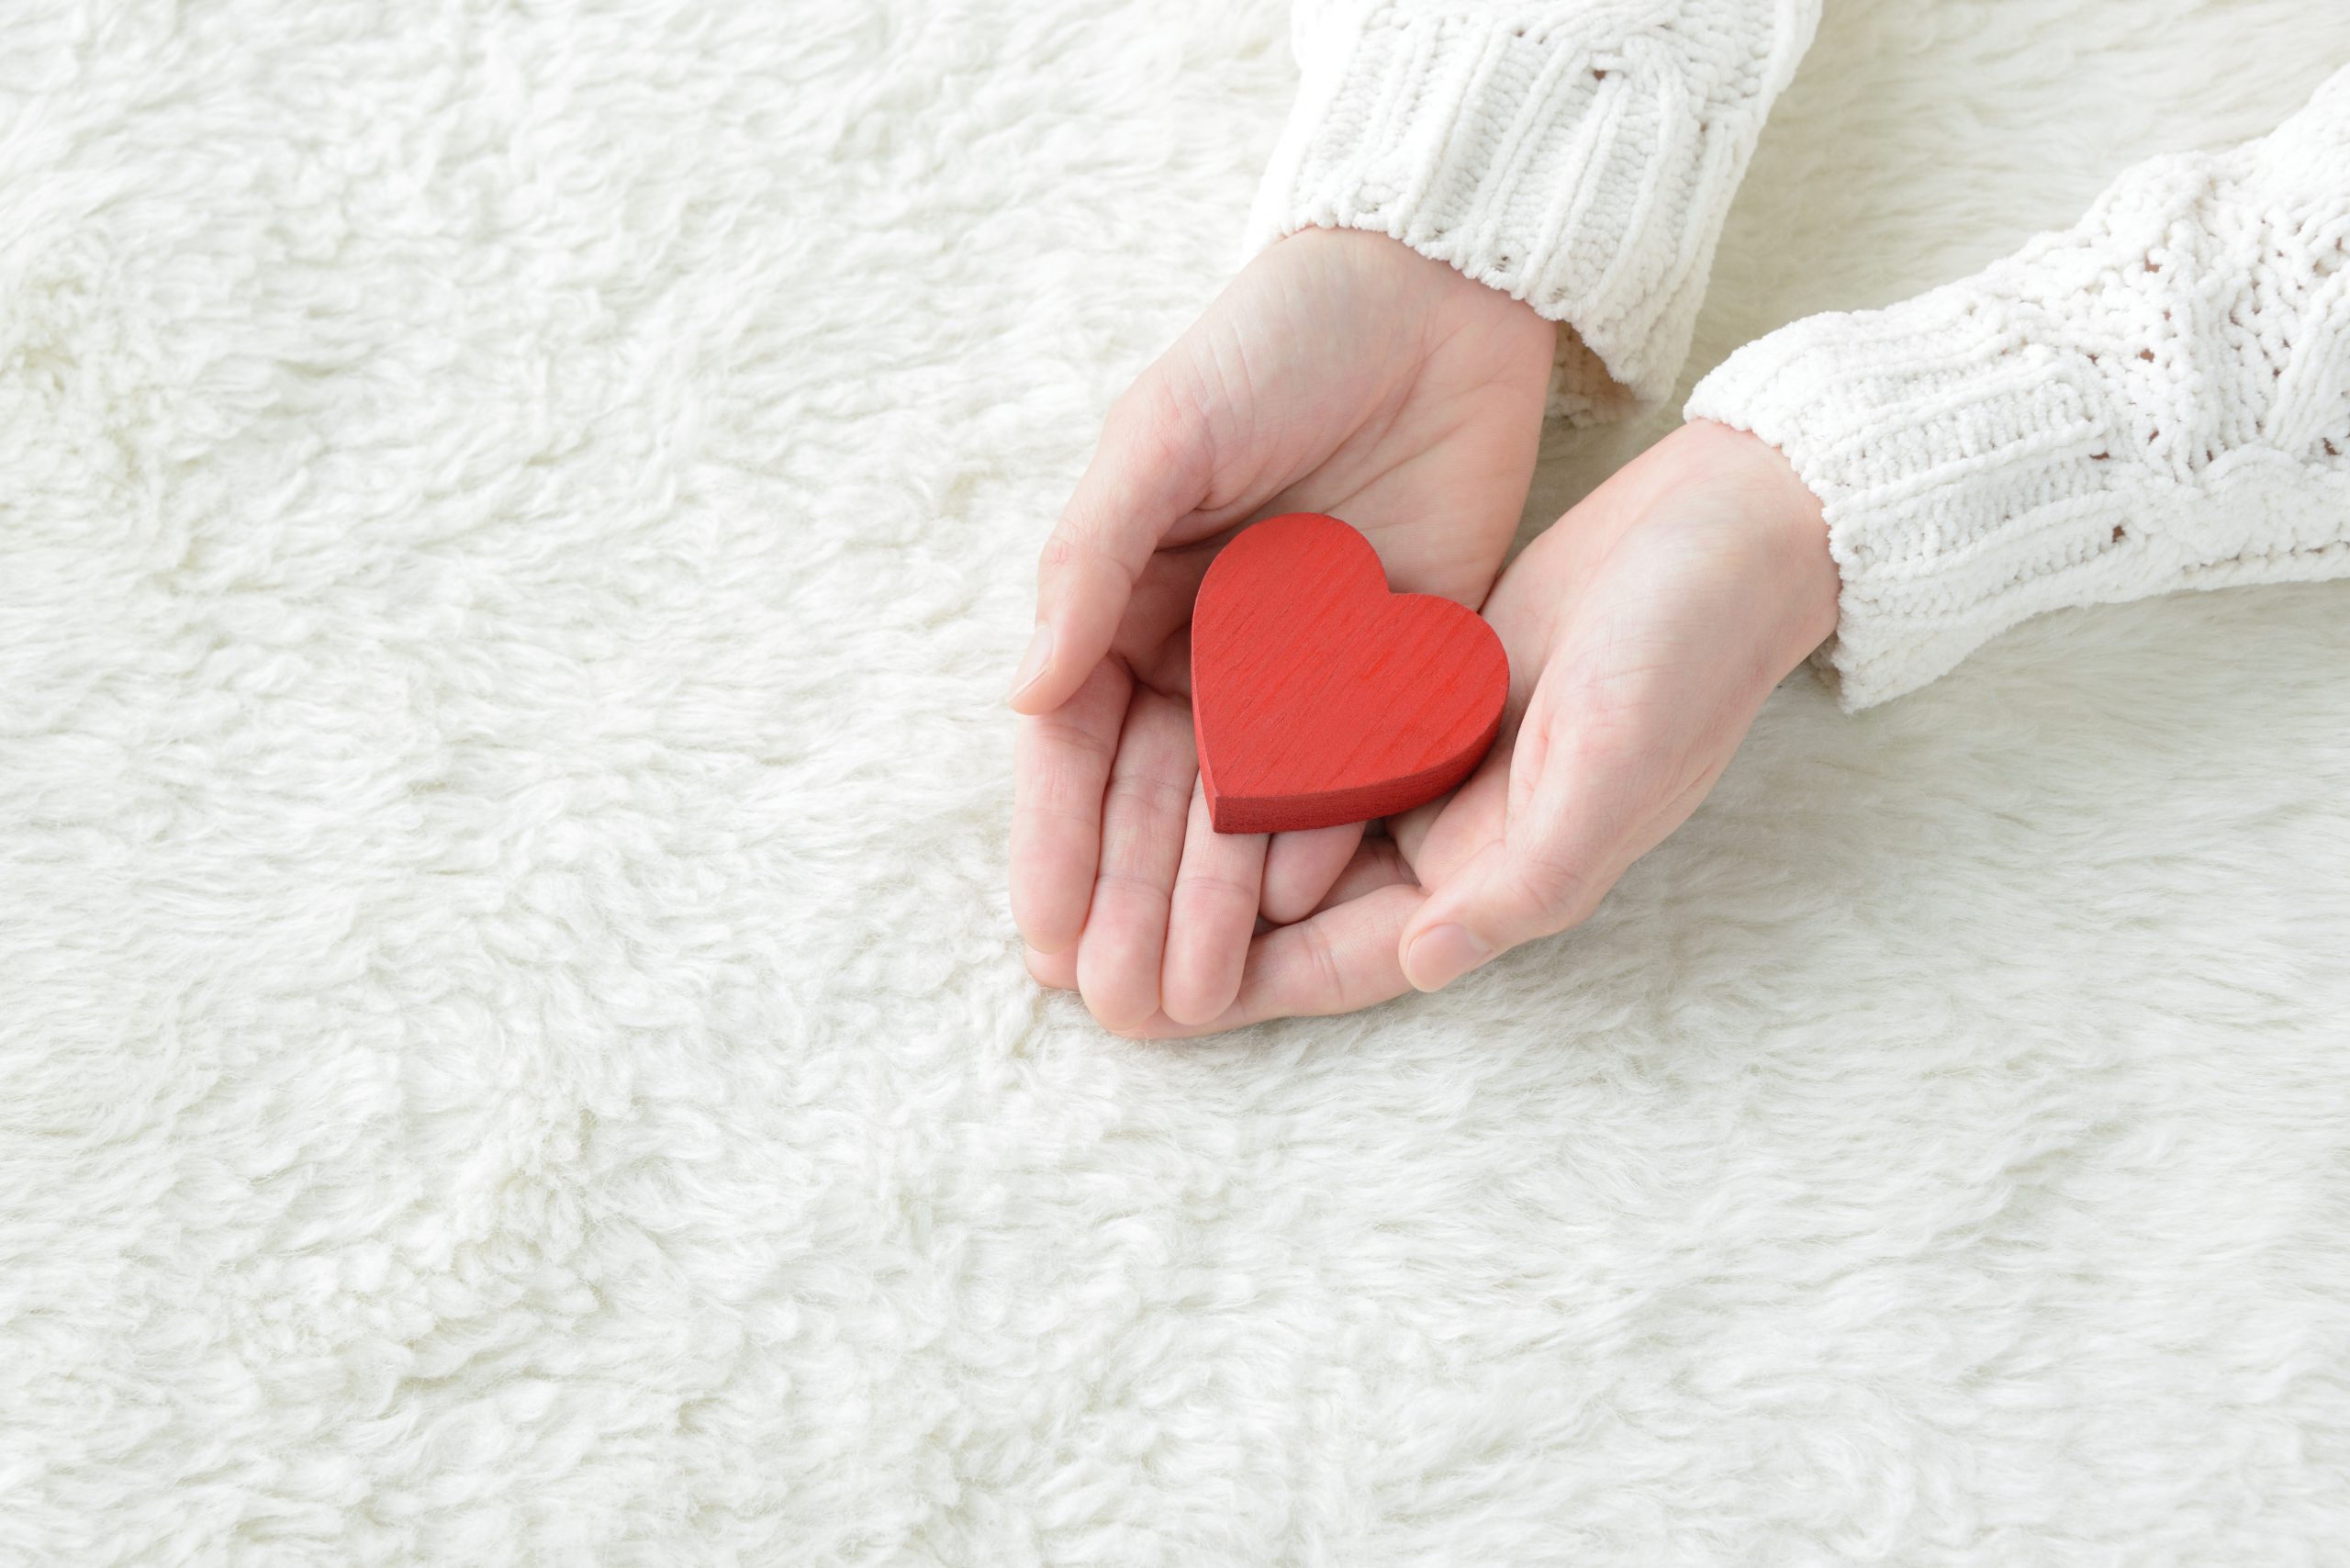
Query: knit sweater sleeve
[(2156, 399), (1576, 155)]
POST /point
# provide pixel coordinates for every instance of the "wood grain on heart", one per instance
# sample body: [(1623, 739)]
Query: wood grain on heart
[(1320, 698)]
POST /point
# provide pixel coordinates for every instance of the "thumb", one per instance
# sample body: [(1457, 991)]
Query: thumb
[(1149, 472)]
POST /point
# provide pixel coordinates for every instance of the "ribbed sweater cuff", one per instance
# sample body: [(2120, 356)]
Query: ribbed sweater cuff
[(2155, 399), (1581, 167), (1962, 472)]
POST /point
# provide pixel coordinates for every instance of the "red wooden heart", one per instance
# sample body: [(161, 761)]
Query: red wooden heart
[(1318, 697)]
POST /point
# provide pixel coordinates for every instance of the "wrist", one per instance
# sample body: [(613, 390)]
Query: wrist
[(1392, 283), (1785, 520)]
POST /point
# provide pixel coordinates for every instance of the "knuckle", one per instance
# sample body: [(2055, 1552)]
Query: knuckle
[(1157, 797), (1322, 961), (1217, 885), (1560, 885), (1077, 742), (1063, 547), (1125, 878), (1152, 424), (1132, 409)]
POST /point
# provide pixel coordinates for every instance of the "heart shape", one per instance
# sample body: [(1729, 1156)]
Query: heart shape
[(1320, 698)]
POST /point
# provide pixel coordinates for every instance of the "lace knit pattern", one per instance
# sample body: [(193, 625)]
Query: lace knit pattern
[(2157, 398), (1577, 154)]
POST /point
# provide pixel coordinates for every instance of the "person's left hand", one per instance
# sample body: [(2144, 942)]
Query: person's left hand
[(1644, 630), (1342, 373)]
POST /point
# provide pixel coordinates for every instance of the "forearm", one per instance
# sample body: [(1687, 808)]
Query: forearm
[(1576, 155), (2157, 398)]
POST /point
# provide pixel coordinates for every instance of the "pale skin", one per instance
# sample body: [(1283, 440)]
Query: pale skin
[(1343, 373)]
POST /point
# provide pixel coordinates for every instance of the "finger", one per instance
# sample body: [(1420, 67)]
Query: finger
[(1150, 470), (1154, 640), (1379, 863), (1337, 961), (1438, 838), (1211, 916), (1057, 970), (1060, 767), (1300, 867), (1569, 814), (1118, 956)]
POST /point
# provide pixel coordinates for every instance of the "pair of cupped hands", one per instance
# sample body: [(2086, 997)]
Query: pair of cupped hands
[(1343, 373)]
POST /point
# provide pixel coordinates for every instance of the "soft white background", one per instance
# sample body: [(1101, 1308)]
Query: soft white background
[(514, 520)]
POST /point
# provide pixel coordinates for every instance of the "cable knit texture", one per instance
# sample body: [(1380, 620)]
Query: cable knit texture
[(2157, 398), (1579, 155)]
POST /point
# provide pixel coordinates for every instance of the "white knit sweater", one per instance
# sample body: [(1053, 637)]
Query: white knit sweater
[(2156, 399)]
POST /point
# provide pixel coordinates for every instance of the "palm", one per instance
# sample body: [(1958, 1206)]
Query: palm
[(1613, 641), (1356, 378), (1643, 633)]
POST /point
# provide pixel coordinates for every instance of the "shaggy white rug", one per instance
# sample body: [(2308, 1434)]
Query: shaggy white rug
[(514, 520)]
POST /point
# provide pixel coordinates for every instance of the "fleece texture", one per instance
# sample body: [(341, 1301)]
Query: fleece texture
[(514, 524)]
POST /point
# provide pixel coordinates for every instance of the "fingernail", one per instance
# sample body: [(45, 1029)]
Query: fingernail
[(1032, 663), (1442, 956)]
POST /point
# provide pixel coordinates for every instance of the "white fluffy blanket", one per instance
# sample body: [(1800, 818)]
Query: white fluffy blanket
[(514, 519)]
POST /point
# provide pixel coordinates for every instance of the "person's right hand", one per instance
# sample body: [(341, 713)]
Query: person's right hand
[(1340, 373)]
